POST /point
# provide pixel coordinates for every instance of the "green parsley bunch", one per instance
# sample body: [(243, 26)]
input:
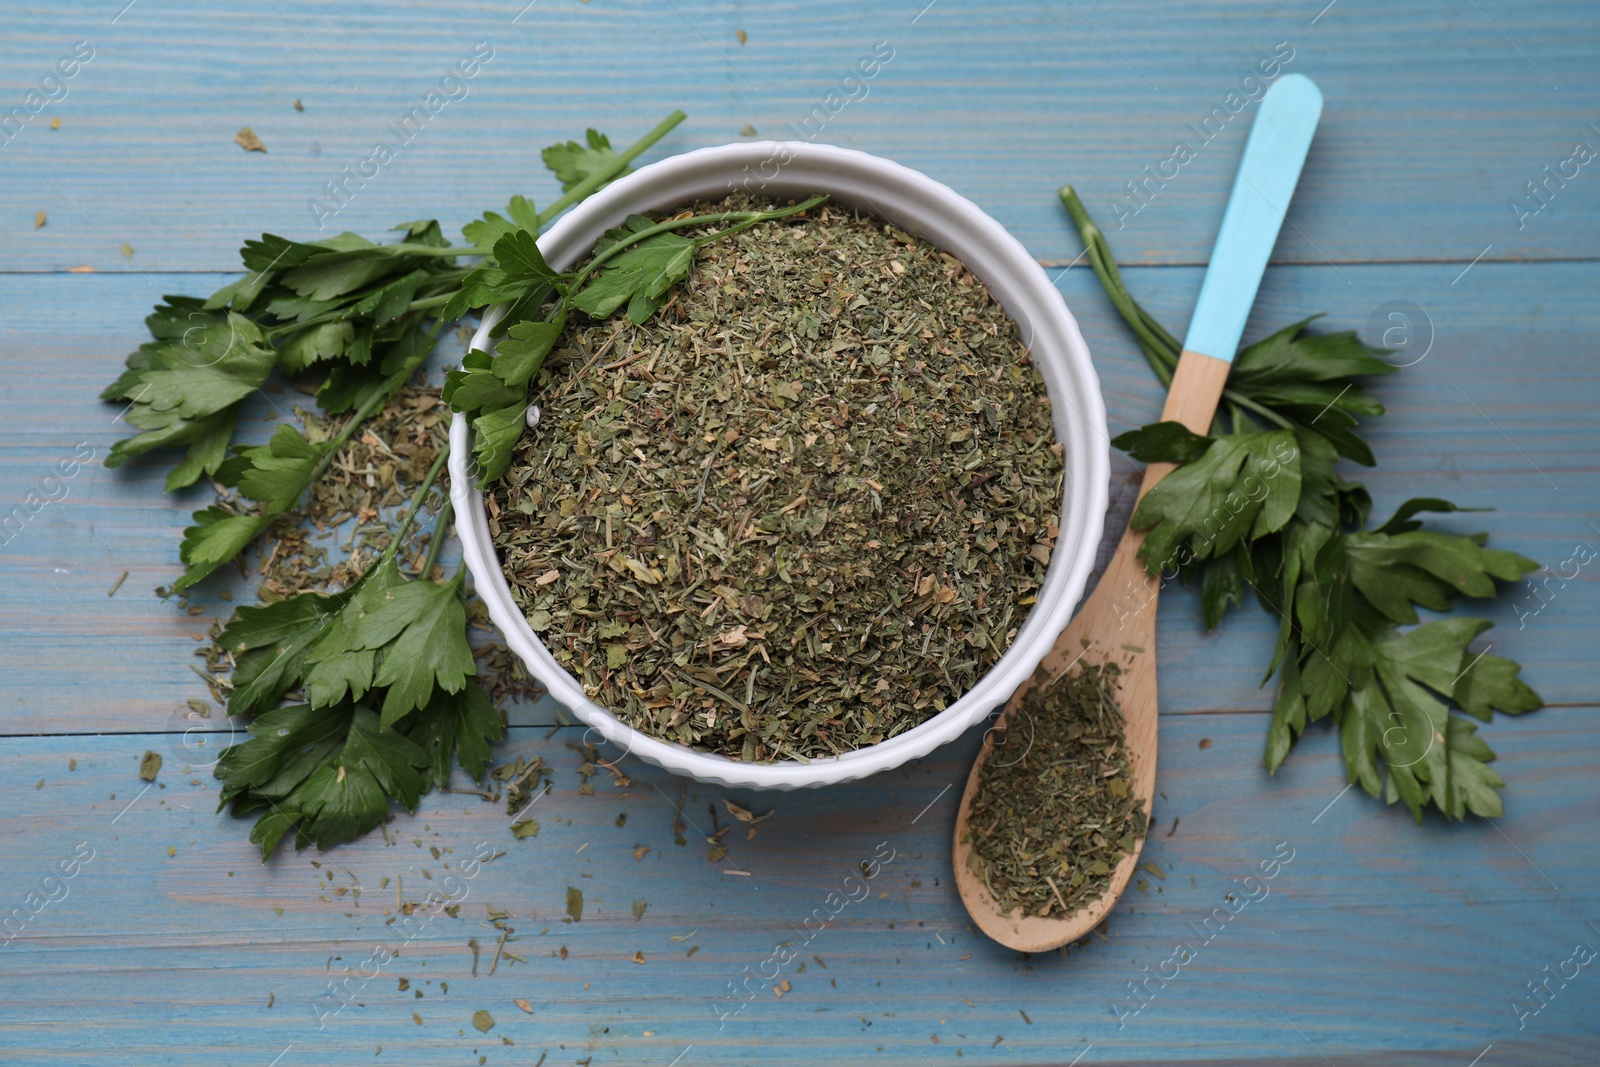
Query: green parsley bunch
[(1260, 503)]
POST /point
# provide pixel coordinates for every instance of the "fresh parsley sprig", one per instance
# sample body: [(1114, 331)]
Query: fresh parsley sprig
[(1259, 502), (383, 666)]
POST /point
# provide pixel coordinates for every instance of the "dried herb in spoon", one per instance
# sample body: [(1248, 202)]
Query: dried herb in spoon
[(1055, 809)]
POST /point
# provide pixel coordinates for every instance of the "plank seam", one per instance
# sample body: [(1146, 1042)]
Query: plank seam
[(4, 736), (1048, 264)]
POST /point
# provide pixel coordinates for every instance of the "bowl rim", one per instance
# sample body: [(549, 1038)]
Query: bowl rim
[(1013, 277)]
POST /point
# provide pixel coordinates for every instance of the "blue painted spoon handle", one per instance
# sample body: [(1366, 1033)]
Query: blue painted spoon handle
[(1273, 155)]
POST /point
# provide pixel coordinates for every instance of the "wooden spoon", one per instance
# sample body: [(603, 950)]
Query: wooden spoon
[(1118, 621)]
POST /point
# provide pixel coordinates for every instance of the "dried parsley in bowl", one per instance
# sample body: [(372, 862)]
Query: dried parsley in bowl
[(802, 509)]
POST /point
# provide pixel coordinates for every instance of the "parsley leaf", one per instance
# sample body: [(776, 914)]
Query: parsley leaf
[(1426, 567), (217, 536), (485, 231), (329, 768), (1162, 442), (521, 354), (276, 474), (405, 638), (270, 643), (475, 386), (420, 628), (638, 277), (186, 389), (1241, 485), (465, 722), (495, 434), (572, 162), (520, 274), (329, 775), (1489, 684), (338, 665), (1400, 716)]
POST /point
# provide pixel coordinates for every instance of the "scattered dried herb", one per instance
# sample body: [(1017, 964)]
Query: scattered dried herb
[(150, 766), (482, 1021), (1055, 810), (523, 779), (246, 139), (575, 904), (745, 815), (799, 511), (525, 828)]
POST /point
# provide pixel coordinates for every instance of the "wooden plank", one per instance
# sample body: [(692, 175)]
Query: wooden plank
[(127, 657), (1376, 939), (1380, 941), (1438, 114)]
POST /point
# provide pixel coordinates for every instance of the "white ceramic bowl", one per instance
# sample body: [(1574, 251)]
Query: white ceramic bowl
[(919, 205)]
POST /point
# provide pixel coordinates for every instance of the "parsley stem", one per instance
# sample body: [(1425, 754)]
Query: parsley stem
[(610, 170), (430, 302), (439, 535), (414, 504), (746, 219), (372, 403), (1161, 350), (752, 218), (1250, 405), (1162, 344)]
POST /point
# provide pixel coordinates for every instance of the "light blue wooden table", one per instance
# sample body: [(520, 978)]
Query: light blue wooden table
[(1381, 941)]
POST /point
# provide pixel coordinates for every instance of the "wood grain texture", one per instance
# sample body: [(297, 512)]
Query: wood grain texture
[(1435, 121), (1381, 941)]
